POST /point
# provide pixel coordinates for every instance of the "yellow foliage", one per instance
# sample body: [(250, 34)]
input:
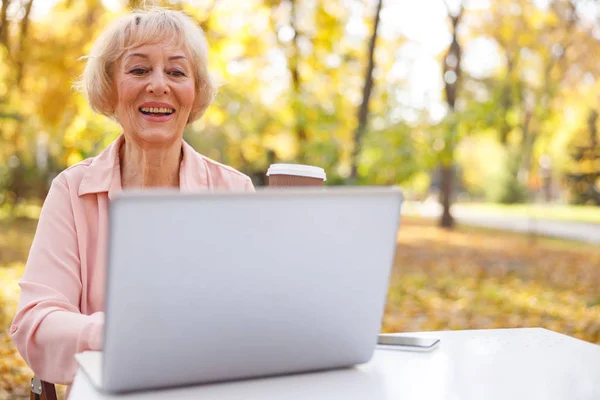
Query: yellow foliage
[(475, 279), (252, 148), (215, 116), (74, 157)]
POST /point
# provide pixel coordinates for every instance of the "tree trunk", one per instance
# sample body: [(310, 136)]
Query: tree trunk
[(293, 63), (524, 164), (452, 64), (22, 39), (447, 181), (506, 101), (363, 110), (292, 54), (4, 23)]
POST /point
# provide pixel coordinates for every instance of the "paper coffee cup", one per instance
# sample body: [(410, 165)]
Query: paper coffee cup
[(287, 175)]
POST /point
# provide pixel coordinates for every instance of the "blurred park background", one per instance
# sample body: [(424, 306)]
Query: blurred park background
[(486, 108)]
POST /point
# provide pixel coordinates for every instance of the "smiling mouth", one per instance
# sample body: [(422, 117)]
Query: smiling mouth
[(156, 111)]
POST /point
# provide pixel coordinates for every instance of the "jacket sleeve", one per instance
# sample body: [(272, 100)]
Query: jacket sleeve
[(249, 186), (49, 328)]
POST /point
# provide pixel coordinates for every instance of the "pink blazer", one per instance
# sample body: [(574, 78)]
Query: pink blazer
[(61, 306)]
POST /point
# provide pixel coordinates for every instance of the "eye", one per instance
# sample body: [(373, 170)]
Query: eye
[(177, 73), (138, 71)]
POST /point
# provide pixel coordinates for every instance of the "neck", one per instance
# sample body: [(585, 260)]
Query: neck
[(149, 167)]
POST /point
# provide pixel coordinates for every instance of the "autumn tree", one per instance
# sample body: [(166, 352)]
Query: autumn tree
[(545, 54), (363, 110), (584, 179), (452, 75)]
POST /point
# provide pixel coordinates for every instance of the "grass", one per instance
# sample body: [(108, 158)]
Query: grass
[(560, 212), (474, 278), (469, 278)]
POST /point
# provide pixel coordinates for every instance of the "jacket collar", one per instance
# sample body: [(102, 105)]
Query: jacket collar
[(103, 174)]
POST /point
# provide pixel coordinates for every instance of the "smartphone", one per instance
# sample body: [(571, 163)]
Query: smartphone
[(408, 343)]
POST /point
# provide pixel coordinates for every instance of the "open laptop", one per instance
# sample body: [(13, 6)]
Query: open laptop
[(224, 286)]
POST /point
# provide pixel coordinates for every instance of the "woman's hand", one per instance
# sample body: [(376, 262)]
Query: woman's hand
[(96, 332)]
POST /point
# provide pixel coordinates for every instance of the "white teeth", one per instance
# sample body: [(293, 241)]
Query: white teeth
[(156, 110)]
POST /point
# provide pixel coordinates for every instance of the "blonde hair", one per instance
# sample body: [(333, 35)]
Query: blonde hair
[(142, 27)]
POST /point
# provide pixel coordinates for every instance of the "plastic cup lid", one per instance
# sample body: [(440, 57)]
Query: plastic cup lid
[(297, 170)]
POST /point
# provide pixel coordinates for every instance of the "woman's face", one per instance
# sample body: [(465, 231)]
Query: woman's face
[(155, 93)]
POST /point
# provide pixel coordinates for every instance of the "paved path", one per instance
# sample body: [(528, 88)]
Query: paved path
[(579, 231)]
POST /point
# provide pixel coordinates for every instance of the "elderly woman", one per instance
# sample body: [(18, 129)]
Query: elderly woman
[(147, 70)]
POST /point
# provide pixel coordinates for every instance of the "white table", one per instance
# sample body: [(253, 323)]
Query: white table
[(527, 363)]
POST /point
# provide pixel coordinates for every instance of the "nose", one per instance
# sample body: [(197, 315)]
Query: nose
[(157, 83)]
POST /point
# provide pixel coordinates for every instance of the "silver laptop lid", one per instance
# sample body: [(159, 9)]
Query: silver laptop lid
[(210, 287)]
